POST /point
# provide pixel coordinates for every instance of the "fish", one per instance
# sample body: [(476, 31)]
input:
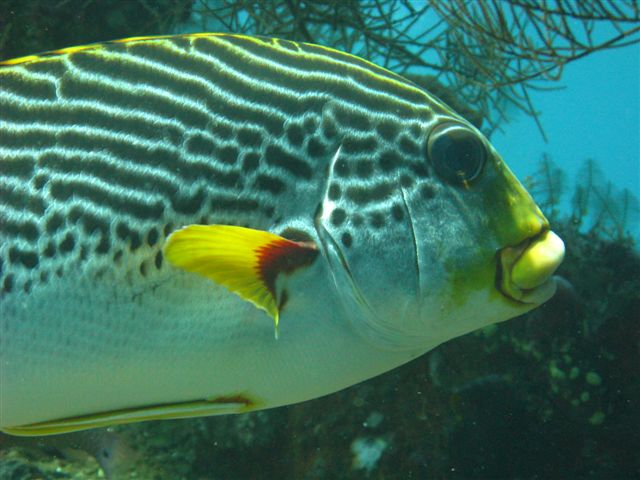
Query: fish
[(210, 224)]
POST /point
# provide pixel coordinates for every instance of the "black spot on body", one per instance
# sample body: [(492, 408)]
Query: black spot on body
[(188, 205), (117, 256), (397, 213), (122, 231), (364, 168), (152, 237), (406, 181), (67, 245), (17, 167), (250, 161), (420, 169), (389, 161), (104, 244), (21, 199), (158, 260), (364, 195), (387, 130), (353, 119), (359, 145), (376, 220), (341, 168), (357, 220), (29, 231), (408, 146), (270, 184), (125, 233), (329, 130), (135, 241), (200, 145), (338, 216), (295, 135), (54, 223), (75, 214), (39, 181), (25, 229), (310, 125), (276, 156), (269, 211), (7, 285), (249, 138), (27, 286), (227, 179), (49, 250), (334, 192), (143, 269), (221, 131), (228, 155), (26, 257), (315, 148), (347, 239), (44, 276)]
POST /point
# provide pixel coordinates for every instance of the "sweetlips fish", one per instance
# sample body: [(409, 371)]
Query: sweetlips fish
[(212, 223)]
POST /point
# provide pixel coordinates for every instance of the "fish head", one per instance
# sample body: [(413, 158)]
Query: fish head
[(447, 242)]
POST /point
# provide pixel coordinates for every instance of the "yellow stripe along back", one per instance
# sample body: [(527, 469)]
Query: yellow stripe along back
[(106, 148)]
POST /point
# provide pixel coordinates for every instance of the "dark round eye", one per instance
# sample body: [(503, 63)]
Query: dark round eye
[(456, 152)]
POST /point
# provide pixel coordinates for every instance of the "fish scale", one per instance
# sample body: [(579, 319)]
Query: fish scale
[(166, 201)]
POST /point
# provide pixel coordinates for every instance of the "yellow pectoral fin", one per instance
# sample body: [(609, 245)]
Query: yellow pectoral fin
[(245, 261)]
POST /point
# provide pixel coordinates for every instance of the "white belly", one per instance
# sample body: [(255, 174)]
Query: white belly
[(79, 346)]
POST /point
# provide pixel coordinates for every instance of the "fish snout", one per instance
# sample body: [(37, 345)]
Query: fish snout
[(525, 271)]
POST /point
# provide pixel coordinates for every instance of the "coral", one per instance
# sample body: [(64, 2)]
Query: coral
[(37, 26), (597, 208)]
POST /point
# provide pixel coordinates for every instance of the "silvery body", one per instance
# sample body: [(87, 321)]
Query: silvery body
[(104, 151)]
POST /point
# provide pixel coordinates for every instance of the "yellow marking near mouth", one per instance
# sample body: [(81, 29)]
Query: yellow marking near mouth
[(538, 262), (527, 268)]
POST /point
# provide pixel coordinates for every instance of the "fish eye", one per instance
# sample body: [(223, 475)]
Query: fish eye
[(456, 152)]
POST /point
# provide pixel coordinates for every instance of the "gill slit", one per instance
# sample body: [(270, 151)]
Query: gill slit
[(329, 244), (415, 242)]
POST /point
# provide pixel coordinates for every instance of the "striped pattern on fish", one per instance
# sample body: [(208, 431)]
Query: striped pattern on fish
[(186, 133)]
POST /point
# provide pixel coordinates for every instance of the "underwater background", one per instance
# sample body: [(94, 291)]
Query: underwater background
[(552, 394)]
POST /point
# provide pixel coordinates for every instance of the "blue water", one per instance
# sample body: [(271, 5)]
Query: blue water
[(596, 115)]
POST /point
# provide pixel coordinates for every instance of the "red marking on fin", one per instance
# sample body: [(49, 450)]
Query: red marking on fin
[(283, 256)]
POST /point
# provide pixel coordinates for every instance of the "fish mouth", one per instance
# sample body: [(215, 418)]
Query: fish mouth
[(525, 271)]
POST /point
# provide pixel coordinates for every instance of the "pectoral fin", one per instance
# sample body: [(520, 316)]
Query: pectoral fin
[(245, 261)]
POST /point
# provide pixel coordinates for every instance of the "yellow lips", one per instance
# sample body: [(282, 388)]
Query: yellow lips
[(526, 270)]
